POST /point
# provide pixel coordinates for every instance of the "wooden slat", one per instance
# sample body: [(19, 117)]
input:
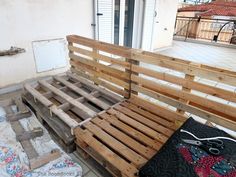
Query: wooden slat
[(226, 109), (105, 152), (127, 140), (100, 67), (44, 159), (27, 135), (18, 129), (190, 68), (83, 93), (103, 83), (106, 47), (149, 115), (103, 91), (38, 95), (218, 92), (100, 56), (102, 75), (132, 132), (64, 117), (69, 99), (132, 156), (145, 121), (143, 128), (196, 111), (186, 89), (20, 106), (156, 109)]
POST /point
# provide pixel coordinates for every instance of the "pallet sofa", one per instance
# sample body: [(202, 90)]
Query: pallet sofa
[(150, 97)]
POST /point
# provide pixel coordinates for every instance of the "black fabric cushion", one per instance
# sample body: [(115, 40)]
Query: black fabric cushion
[(178, 159)]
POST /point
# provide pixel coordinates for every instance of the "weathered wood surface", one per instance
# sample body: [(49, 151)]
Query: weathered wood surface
[(96, 62), (19, 130), (72, 102), (53, 124), (24, 137), (68, 101), (44, 159), (147, 74), (127, 135), (27, 135)]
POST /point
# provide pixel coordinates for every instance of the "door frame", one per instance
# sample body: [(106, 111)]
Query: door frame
[(138, 22)]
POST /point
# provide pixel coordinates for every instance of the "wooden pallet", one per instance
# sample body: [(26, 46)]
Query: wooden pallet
[(24, 137), (126, 136), (65, 102)]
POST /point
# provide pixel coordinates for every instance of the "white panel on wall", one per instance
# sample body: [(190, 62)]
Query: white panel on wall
[(49, 54)]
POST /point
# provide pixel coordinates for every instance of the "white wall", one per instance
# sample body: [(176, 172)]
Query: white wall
[(24, 21), (164, 23)]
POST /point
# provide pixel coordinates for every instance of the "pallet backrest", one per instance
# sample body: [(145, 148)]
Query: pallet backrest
[(104, 64), (186, 87), (183, 86)]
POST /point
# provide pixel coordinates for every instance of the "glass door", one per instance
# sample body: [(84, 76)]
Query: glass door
[(128, 23)]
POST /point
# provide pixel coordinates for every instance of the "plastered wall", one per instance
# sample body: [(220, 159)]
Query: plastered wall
[(24, 21)]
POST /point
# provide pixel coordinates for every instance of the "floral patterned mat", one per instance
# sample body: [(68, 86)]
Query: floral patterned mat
[(14, 162)]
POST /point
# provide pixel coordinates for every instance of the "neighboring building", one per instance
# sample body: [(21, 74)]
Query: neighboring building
[(40, 28), (216, 10), (214, 21), (186, 3)]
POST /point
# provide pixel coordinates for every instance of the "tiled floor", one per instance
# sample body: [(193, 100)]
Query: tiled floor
[(90, 167), (207, 54)]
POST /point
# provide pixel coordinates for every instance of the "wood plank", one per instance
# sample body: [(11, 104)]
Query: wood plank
[(27, 135), (64, 117), (101, 90), (44, 159), (196, 111), (216, 74), (211, 90), (155, 126), (102, 75), (38, 95), (186, 89), (143, 128), (101, 82), (100, 56), (18, 116), (139, 136), (149, 115), (217, 106), (125, 151), (102, 46), (100, 67), (105, 152), (156, 109), (83, 93), (20, 106), (146, 152), (18, 129), (69, 99)]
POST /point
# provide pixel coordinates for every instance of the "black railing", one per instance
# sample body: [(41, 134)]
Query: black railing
[(218, 30)]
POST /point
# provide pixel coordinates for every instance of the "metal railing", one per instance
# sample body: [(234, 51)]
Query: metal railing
[(217, 30)]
